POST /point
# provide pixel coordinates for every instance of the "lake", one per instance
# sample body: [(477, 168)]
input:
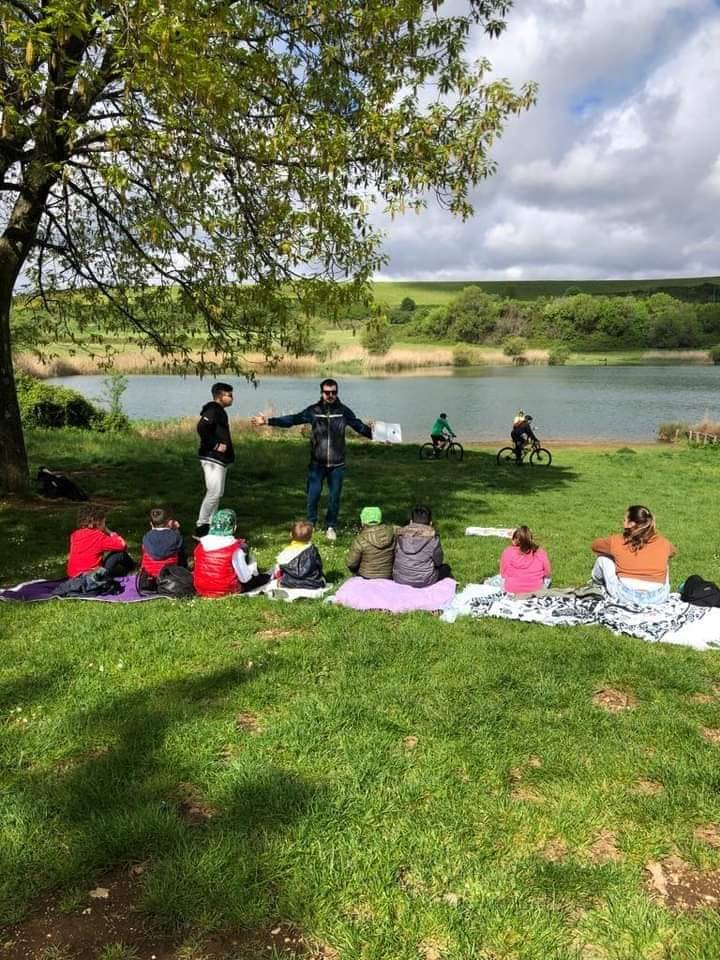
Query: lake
[(623, 403)]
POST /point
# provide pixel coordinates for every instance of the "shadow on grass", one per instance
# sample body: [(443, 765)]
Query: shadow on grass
[(266, 488), (123, 803)]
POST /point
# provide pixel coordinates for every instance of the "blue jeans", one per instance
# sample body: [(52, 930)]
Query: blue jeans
[(317, 474), (604, 573)]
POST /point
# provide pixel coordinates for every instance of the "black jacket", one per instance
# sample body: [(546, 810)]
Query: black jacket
[(329, 422), (213, 428), (304, 571)]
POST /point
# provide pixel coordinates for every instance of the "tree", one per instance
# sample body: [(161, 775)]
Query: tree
[(204, 171), (377, 337)]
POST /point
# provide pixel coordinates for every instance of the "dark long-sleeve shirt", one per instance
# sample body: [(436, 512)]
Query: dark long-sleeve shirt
[(329, 422)]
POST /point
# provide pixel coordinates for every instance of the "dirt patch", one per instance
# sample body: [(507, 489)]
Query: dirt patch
[(702, 698), (516, 774), (711, 734), (604, 848), (680, 886), (409, 743), (709, 834), (525, 794), (192, 806), (248, 723), (614, 701), (430, 949), (555, 851), (275, 633), (409, 883), (647, 788), (72, 763)]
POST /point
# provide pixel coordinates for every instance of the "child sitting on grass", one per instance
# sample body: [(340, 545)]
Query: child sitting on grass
[(222, 564), (299, 565), (418, 553), (92, 545), (524, 566), (372, 551), (163, 544)]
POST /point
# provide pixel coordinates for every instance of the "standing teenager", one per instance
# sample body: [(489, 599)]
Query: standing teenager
[(216, 452), (329, 419)]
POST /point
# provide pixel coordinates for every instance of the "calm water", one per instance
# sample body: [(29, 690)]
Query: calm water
[(592, 403)]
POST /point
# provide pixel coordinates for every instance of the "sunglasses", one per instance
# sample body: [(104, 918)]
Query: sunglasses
[(330, 393)]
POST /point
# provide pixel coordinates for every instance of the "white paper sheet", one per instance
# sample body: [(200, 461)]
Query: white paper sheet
[(383, 432)]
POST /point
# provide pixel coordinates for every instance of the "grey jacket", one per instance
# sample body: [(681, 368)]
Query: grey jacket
[(418, 555)]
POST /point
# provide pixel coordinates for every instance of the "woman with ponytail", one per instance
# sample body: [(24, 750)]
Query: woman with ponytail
[(632, 566)]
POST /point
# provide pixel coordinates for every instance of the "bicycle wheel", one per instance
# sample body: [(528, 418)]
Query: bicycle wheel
[(541, 456), (506, 455), (455, 452), (427, 452)]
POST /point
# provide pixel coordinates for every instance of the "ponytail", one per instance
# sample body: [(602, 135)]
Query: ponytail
[(523, 537), (644, 530)]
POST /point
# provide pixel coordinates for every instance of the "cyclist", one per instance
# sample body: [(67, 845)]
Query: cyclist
[(441, 433), (520, 433)]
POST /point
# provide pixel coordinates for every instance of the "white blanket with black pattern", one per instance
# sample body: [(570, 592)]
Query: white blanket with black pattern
[(671, 622)]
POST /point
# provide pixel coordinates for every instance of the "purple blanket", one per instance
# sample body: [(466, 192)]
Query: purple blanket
[(43, 590), (394, 597)]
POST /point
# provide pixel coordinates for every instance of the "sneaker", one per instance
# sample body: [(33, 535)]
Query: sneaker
[(201, 530), (330, 534)]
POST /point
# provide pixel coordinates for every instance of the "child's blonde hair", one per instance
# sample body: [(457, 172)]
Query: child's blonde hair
[(302, 531), (523, 537)]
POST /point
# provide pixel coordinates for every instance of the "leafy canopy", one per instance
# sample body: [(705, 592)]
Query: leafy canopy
[(198, 168)]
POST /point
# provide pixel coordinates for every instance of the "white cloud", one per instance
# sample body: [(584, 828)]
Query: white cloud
[(616, 170)]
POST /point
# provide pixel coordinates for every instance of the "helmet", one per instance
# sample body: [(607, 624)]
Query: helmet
[(443, 416), (528, 417)]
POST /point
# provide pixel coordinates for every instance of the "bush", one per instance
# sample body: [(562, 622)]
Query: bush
[(399, 315), (514, 346), (114, 419), (558, 356), (463, 357), (714, 354), (43, 405), (473, 314), (377, 336), (407, 305), (671, 430)]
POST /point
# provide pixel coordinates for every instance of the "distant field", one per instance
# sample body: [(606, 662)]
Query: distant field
[(685, 288)]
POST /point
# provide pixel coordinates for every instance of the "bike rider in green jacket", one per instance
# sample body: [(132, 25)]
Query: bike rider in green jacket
[(441, 433)]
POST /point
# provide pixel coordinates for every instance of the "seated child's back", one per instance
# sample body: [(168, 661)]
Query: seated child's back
[(524, 566), (372, 551), (221, 563), (163, 544), (418, 558), (299, 565), (92, 541)]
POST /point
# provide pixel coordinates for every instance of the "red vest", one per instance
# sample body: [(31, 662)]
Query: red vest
[(213, 574), (152, 566)]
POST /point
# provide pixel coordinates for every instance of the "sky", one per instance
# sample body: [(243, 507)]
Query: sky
[(614, 173)]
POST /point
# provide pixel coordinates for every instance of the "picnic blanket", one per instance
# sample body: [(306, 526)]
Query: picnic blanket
[(506, 532), (33, 590), (361, 594), (671, 622)]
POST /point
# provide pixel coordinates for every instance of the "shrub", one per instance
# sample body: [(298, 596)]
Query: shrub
[(514, 346), (558, 356), (399, 315), (43, 405), (473, 314), (714, 354), (114, 419), (671, 430), (407, 305), (463, 357), (377, 336)]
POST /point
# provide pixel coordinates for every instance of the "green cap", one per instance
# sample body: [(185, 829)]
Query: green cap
[(223, 522), (371, 515)]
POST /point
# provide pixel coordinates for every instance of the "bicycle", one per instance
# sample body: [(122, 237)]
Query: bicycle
[(451, 450), (532, 451)]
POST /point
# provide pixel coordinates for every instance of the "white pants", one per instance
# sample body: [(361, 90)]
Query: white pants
[(214, 488)]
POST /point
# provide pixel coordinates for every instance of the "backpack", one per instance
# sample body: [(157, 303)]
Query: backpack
[(95, 583), (145, 582), (175, 581), (701, 593), (57, 485)]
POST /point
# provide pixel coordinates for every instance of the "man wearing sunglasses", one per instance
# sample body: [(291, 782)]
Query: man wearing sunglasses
[(329, 419)]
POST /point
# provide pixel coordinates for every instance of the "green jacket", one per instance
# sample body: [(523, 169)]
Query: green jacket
[(440, 427), (372, 551)]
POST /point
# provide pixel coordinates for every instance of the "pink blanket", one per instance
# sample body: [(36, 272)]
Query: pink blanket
[(394, 597)]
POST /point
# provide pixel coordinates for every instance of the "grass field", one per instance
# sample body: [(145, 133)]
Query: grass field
[(247, 779)]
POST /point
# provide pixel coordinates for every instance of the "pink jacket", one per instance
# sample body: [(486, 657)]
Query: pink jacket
[(523, 572)]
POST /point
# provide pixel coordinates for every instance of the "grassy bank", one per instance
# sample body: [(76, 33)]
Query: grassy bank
[(379, 787)]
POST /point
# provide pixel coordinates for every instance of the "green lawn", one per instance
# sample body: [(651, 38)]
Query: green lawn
[(388, 787)]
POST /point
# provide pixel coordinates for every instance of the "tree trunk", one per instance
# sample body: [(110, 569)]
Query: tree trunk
[(14, 476)]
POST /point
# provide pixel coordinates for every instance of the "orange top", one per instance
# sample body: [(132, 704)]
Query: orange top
[(650, 562)]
